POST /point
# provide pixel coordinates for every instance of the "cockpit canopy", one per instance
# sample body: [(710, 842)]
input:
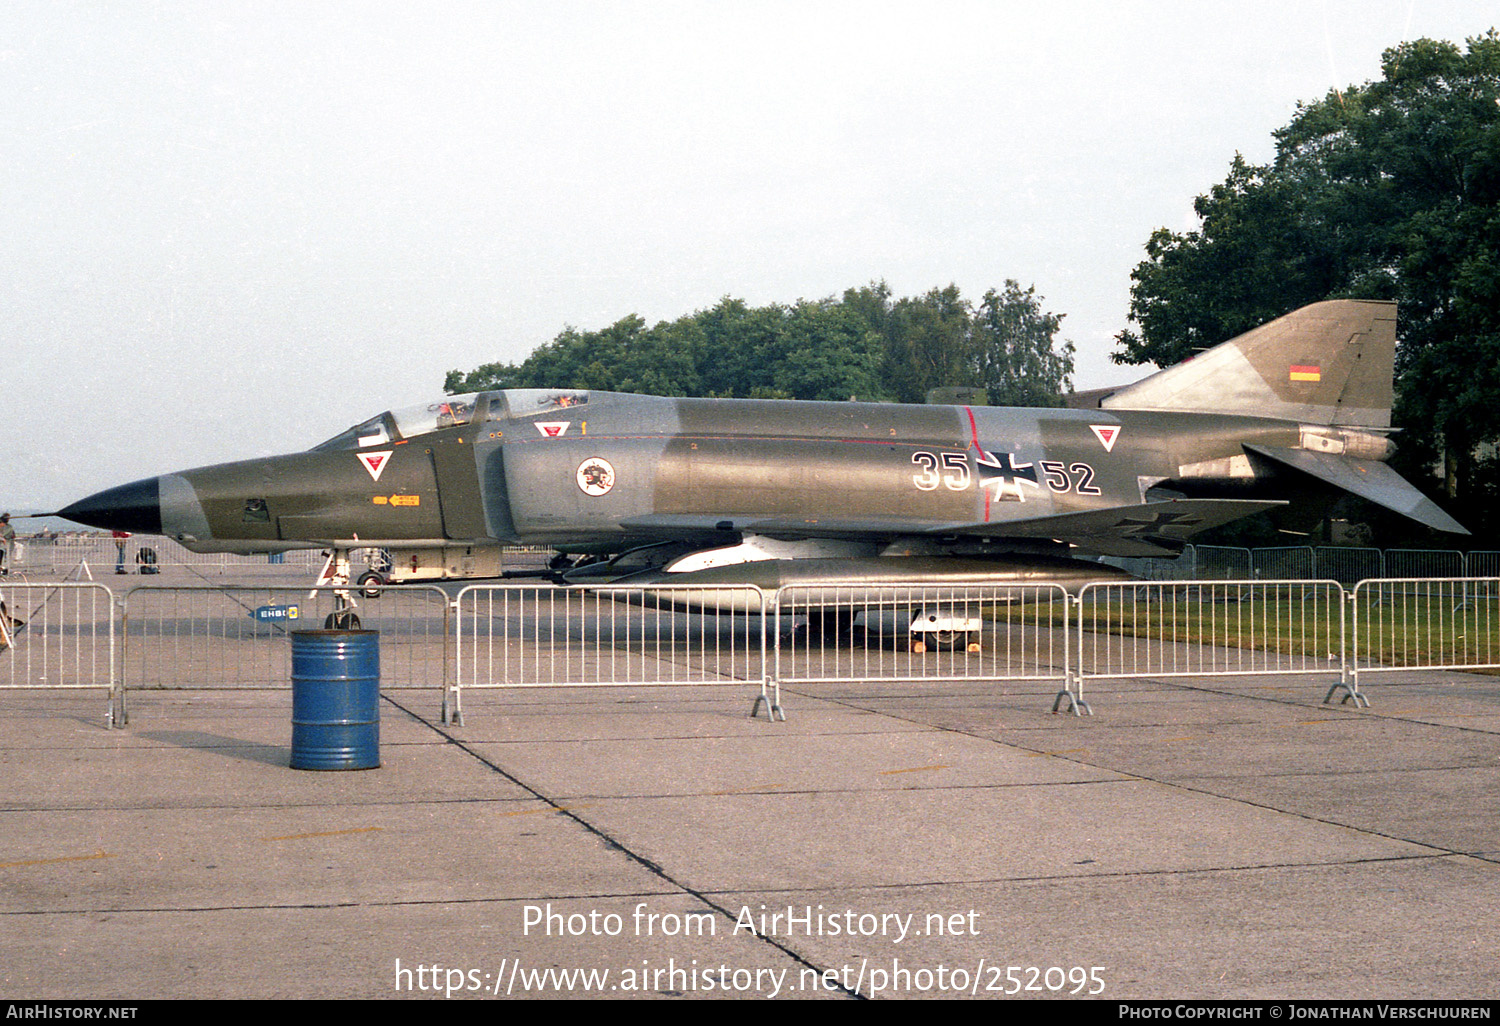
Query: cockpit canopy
[(452, 411), (394, 425)]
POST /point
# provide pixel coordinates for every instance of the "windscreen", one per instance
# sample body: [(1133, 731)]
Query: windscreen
[(450, 411), (447, 412)]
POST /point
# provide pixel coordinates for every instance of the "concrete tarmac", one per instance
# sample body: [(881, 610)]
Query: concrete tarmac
[(1195, 838)]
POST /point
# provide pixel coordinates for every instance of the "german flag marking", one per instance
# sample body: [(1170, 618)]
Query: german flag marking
[(1300, 373)]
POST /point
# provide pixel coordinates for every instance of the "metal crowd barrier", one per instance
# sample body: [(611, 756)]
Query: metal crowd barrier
[(527, 635), (1208, 629), (1284, 563), (1348, 566), (239, 636), (860, 632), (1222, 563), (68, 554), (1434, 563), (517, 635), (58, 636), (1476, 564), (1409, 623)]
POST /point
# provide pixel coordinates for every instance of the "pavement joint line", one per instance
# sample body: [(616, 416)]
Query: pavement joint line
[(1342, 773), (752, 789), (1225, 797), (1368, 714), (1116, 777), (244, 807), (318, 905), (650, 866), (1256, 867), (901, 886), (549, 808), (101, 854)]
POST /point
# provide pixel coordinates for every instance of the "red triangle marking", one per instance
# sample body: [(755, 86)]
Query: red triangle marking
[(374, 462)]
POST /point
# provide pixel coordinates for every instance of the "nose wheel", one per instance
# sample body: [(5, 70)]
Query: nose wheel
[(335, 575), (341, 620)]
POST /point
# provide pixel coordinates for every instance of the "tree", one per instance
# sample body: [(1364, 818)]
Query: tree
[(743, 346), (927, 344), (1252, 260), (863, 346), (1389, 190), (831, 353), (624, 357), (1013, 349)]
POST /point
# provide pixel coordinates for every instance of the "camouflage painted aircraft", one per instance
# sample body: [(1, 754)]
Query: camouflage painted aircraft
[(1284, 418)]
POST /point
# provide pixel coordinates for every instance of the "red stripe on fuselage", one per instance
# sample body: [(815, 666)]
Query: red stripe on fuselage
[(974, 435)]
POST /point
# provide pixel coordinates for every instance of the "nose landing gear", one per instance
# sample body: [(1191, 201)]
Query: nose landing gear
[(335, 575)]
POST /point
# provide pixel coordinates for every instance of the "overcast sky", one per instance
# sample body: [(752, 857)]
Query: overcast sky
[(233, 229)]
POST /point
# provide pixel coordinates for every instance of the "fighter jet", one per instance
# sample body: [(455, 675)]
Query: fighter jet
[(1284, 418)]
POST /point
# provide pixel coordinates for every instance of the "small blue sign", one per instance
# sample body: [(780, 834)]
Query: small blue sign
[(271, 614)]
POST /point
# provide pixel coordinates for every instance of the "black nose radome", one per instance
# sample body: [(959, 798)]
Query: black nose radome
[(132, 507)]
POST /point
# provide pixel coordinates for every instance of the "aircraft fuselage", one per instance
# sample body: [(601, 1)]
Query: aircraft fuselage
[(607, 471)]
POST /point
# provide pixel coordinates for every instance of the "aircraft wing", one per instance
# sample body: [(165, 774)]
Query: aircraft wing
[(1148, 529), (686, 525)]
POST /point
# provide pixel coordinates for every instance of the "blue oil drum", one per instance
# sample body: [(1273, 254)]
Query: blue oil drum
[(335, 700)]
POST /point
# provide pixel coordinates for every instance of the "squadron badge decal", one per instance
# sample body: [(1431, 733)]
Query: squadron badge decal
[(596, 476)]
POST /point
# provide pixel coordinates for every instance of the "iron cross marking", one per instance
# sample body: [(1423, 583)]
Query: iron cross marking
[(1155, 524), (1001, 472)]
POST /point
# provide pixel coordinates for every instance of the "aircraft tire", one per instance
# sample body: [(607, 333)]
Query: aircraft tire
[(370, 584), (829, 628), (341, 620), (946, 641)]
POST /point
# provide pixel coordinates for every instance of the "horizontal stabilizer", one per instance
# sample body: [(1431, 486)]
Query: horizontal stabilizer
[(1369, 480), (1148, 529)]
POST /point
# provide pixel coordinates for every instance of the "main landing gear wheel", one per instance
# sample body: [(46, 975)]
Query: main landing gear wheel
[(370, 584), (829, 628), (947, 641)]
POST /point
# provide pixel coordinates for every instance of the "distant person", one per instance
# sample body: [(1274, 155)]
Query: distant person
[(11, 624), (7, 542), (120, 537)]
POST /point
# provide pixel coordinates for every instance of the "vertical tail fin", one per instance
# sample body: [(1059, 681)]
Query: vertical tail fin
[(1328, 363)]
